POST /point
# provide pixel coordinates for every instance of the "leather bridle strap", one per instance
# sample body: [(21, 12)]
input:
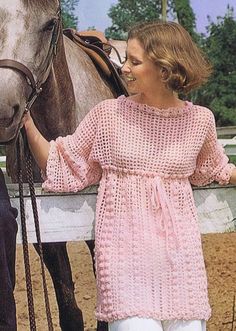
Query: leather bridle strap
[(36, 89), (12, 64), (51, 52), (36, 86)]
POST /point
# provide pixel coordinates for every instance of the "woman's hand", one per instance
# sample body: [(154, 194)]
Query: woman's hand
[(27, 120), (233, 177), (39, 146)]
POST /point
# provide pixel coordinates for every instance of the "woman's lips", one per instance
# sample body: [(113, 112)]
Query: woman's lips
[(130, 79)]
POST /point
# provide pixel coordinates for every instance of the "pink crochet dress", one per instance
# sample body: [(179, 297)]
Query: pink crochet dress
[(148, 247)]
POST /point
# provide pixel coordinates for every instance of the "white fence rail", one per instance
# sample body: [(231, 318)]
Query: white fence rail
[(229, 145), (226, 131), (71, 217)]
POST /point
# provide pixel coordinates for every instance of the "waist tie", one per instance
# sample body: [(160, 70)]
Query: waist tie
[(161, 203)]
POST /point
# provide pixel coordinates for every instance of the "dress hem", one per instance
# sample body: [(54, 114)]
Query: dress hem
[(118, 316)]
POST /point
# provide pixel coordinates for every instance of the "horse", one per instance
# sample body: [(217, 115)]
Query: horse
[(43, 69)]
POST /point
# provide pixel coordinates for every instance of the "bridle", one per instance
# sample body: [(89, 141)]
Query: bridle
[(36, 86)]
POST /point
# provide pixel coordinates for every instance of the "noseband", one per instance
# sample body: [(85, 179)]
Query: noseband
[(36, 86)]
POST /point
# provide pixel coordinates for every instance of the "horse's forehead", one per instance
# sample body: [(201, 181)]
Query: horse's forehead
[(17, 4), (14, 19), (12, 12), (24, 8), (11, 24), (11, 6)]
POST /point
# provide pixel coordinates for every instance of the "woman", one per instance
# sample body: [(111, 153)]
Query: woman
[(145, 150)]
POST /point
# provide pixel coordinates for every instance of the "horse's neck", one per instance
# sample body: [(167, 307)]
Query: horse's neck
[(55, 111), (90, 86)]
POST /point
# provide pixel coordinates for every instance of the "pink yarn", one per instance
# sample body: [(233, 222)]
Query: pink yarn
[(148, 246)]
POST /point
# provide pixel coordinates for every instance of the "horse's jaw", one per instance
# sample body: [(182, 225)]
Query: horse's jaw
[(9, 134), (14, 93), (10, 122)]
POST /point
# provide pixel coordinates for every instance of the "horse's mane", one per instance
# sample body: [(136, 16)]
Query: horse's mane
[(40, 4)]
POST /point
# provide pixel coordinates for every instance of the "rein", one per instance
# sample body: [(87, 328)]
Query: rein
[(36, 87), (24, 235)]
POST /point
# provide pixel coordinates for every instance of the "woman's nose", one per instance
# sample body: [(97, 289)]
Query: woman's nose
[(125, 68)]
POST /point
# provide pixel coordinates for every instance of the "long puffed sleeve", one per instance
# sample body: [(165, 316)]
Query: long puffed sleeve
[(212, 163), (70, 167)]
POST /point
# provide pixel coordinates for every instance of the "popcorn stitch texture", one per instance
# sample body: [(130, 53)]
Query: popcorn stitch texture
[(148, 247)]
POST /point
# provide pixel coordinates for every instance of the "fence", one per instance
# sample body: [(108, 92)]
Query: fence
[(71, 217)]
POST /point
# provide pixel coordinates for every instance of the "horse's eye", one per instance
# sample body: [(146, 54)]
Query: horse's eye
[(49, 26)]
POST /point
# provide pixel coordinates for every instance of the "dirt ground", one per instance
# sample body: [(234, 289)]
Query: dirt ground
[(220, 259)]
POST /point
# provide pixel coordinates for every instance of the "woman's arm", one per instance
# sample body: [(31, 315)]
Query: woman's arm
[(39, 146)]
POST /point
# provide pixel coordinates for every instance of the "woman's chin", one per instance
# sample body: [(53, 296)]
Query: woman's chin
[(131, 89)]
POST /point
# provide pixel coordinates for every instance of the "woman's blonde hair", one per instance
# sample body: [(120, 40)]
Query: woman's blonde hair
[(170, 46)]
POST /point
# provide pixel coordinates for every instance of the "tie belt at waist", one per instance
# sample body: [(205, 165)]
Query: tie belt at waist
[(160, 202)]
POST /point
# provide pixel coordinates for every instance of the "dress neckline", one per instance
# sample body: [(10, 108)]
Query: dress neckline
[(165, 112)]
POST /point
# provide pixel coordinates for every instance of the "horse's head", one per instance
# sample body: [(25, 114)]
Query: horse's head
[(29, 31)]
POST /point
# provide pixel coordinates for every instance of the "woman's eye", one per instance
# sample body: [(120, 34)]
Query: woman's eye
[(135, 63), (131, 61)]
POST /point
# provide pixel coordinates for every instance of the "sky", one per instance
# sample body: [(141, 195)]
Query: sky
[(94, 12)]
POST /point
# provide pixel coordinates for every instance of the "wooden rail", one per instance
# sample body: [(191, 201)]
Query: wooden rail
[(226, 131), (71, 217)]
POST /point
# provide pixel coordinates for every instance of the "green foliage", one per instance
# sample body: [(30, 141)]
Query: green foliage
[(69, 20), (128, 12), (219, 93), (185, 16), (90, 28)]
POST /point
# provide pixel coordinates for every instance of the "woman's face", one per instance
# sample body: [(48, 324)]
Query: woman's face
[(141, 74)]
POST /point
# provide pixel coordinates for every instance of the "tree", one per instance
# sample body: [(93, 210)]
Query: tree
[(69, 20), (128, 12), (185, 16), (219, 93), (164, 10)]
